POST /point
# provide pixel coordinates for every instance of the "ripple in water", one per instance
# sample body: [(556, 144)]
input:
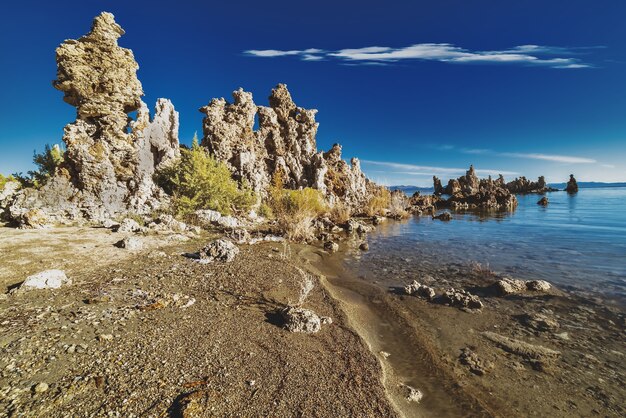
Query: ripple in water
[(576, 242)]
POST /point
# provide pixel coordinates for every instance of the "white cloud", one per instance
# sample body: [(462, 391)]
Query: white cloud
[(533, 156), (421, 170), (443, 52)]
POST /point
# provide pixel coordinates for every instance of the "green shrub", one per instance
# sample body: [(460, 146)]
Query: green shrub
[(197, 181), (47, 163)]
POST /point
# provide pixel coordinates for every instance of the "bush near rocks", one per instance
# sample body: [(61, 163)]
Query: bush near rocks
[(198, 181), (295, 210)]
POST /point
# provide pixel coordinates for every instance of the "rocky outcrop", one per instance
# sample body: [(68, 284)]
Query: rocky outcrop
[(572, 185), (470, 192), (522, 185), (284, 141), (109, 162)]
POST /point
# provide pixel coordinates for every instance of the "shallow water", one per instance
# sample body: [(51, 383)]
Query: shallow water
[(576, 242)]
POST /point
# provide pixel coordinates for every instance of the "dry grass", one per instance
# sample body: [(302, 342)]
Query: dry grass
[(379, 202), (340, 213), (306, 286)]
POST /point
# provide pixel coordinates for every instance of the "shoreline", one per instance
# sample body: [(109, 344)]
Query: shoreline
[(435, 331)]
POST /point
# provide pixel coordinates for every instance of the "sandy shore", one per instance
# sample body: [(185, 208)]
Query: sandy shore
[(153, 333)]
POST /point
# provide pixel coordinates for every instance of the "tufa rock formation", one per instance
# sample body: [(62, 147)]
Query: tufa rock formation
[(572, 186), (110, 159), (284, 141), (470, 192), (522, 185)]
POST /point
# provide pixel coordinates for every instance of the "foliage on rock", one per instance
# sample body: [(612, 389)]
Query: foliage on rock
[(379, 202), (197, 180)]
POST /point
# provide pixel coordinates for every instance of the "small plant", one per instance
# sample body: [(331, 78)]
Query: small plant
[(198, 181), (306, 286), (285, 254), (379, 202), (397, 205), (295, 210), (340, 213), (481, 269)]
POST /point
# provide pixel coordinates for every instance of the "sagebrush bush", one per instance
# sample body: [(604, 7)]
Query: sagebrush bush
[(340, 213), (295, 210), (379, 202), (198, 181)]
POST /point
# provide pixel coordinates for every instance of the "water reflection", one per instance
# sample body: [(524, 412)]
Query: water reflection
[(577, 240)]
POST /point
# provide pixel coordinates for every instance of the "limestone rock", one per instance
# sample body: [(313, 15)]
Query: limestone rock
[(415, 288), (48, 279), (444, 216), (508, 286), (470, 192), (227, 222), (220, 250), (540, 322), (109, 162), (130, 243), (128, 225), (284, 141), (462, 299), (538, 285), (167, 223), (572, 185), (475, 364), (301, 320), (522, 185)]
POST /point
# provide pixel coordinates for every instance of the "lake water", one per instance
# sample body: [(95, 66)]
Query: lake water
[(576, 242)]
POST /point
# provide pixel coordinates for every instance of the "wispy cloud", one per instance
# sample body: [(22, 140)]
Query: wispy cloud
[(421, 170), (528, 55), (568, 159)]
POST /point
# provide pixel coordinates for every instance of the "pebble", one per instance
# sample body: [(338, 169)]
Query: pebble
[(41, 387)]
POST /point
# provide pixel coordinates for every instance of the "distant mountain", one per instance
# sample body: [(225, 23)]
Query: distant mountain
[(588, 185), (409, 190)]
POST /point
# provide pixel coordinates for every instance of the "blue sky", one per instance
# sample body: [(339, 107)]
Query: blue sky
[(412, 88)]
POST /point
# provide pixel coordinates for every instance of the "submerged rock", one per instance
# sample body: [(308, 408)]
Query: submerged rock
[(415, 288), (48, 279), (220, 250), (444, 216), (543, 201)]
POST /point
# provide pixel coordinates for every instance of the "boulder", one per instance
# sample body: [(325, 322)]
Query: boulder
[(508, 286), (130, 243), (538, 285), (128, 225), (48, 279), (543, 201), (167, 223), (227, 222), (460, 298), (297, 319), (539, 322), (219, 250), (206, 216), (364, 246), (415, 288)]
